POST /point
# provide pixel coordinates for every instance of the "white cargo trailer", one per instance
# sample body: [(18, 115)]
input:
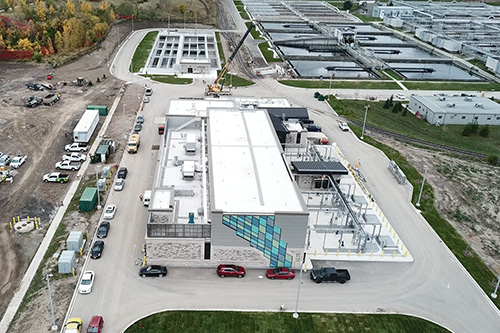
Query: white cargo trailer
[(86, 126)]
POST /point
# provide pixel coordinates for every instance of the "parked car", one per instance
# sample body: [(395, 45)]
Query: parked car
[(74, 157), (96, 251), (56, 177), (400, 96), (343, 126), (102, 231), (280, 273), (120, 182), (18, 161), (34, 86), (153, 270), (122, 173), (313, 128), (330, 274), (140, 119), (33, 101), (137, 127), (95, 325), (87, 282), (110, 211), (4, 160), (74, 325), (230, 270), (146, 99), (148, 92), (68, 165), (76, 147)]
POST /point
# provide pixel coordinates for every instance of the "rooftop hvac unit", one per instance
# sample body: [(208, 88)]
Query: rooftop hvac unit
[(441, 98), (468, 99), (450, 105), (479, 105)]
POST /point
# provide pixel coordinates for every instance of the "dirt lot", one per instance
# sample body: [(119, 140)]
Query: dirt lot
[(466, 193)]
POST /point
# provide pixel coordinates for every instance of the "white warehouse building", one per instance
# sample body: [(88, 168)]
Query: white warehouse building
[(455, 110)]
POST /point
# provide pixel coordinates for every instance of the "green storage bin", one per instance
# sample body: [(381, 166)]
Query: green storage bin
[(88, 199), (103, 109)]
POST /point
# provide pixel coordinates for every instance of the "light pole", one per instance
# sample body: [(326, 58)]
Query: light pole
[(97, 186), (422, 187), (330, 87), (494, 295), (296, 314), (364, 122), (54, 326)]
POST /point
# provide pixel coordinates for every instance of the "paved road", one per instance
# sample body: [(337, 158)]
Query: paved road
[(435, 286)]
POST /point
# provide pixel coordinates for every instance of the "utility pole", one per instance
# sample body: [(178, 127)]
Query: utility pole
[(364, 122), (54, 326), (422, 187)]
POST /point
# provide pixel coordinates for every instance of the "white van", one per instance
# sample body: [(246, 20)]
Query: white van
[(146, 198)]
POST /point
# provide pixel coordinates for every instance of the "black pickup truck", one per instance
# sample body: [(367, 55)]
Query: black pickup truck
[(330, 274)]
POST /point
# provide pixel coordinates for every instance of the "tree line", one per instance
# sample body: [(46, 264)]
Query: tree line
[(52, 26)]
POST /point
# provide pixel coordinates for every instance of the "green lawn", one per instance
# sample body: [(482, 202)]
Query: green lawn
[(236, 81), (221, 321), (142, 52), (449, 135), (460, 86), (170, 79), (325, 84), (268, 54)]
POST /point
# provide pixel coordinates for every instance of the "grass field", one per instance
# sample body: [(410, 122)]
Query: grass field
[(170, 79), (142, 52), (449, 135), (268, 54), (255, 322), (325, 83)]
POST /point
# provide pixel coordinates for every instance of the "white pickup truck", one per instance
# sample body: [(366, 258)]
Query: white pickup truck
[(68, 165), (74, 157), (55, 177), (76, 147), (18, 161)]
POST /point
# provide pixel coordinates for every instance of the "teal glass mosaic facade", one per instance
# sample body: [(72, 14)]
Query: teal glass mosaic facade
[(262, 234)]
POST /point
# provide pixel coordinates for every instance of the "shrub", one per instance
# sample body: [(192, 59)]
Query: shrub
[(485, 131), (37, 56), (492, 159), (474, 127), (467, 130)]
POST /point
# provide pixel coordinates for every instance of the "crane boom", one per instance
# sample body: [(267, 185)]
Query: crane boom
[(214, 89)]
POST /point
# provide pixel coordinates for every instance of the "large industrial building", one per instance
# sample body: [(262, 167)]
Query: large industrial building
[(230, 189), (455, 110)]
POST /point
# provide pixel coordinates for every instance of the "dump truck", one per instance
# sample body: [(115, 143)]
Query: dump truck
[(134, 141)]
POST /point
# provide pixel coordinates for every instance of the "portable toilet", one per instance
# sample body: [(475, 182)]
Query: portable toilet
[(88, 199), (74, 242), (67, 262)]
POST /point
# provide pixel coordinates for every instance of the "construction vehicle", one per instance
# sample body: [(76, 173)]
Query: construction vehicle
[(216, 88), (80, 81)]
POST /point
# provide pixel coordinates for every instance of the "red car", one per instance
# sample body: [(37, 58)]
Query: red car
[(230, 270), (96, 324), (280, 273)]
